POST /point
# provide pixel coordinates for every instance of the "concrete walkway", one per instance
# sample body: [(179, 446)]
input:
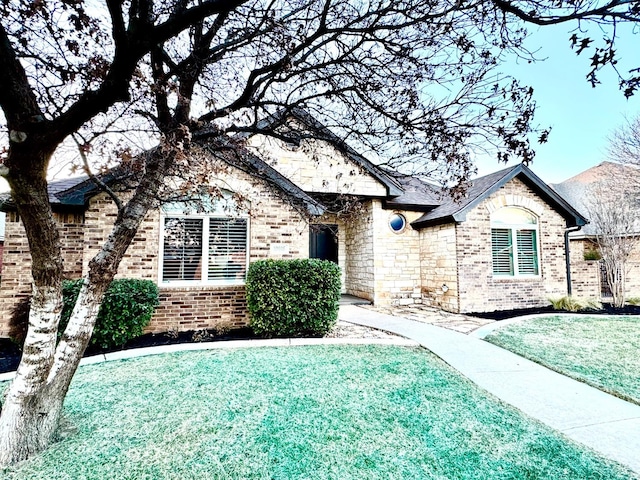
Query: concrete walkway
[(587, 415)]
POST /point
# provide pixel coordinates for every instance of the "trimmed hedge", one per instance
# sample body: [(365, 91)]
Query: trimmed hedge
[(293, 297), (126, 309)]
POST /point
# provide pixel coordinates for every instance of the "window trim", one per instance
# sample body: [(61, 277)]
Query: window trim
[(203, 281), (513, 229)]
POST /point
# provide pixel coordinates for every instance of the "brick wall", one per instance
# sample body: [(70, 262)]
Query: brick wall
[(16, 272), (276, 230), (585, 274), (480, 290), (197, 308)]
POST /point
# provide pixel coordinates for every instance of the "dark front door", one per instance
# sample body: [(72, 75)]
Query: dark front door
[(323, 242)]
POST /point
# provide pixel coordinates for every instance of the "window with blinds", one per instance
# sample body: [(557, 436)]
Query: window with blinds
[(514, 242), (527, 252), (501, 251), (204, 249)]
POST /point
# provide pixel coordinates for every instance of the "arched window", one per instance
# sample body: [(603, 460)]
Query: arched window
[(514, 242)]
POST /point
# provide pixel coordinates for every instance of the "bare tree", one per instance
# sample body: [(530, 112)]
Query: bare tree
[(615, 216), (415, 80), (624, 142)]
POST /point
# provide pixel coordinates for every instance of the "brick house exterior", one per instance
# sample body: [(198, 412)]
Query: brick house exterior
[(588, 280), (405, 243)]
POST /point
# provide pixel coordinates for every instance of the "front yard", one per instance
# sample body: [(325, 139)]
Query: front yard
[(319, 412), (603, 351)]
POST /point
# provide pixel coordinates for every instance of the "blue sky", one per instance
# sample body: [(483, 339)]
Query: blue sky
[(581, 117)]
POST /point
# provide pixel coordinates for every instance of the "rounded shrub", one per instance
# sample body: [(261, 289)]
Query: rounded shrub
[(126, 309), (293, 297)]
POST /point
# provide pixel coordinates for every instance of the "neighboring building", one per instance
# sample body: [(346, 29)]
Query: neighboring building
[(587, 272), (501, 247)]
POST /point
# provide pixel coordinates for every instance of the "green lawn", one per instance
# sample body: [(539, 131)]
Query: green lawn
[(318, 412), (603, 351)]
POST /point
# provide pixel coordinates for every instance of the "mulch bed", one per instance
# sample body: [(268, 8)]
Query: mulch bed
[(10, 353), (607, 309)]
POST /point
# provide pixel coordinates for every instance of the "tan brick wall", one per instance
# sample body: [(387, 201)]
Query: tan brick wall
[(480, 291), (439, 266), (198, 308), (585, 274)]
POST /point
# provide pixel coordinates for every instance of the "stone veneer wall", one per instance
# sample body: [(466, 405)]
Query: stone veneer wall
[(316, 166), (359, 261), (276, 230), (480, 291), (439, 266), (396, 259)]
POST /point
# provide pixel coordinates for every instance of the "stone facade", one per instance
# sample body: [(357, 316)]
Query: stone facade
[(317, 166), (396, 259), (439, 267), (359, 263)]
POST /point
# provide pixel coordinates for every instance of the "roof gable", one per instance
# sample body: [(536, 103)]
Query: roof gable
[(451, 211), (318, 131)]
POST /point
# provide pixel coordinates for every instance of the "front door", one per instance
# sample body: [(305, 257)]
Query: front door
[(323, 242)]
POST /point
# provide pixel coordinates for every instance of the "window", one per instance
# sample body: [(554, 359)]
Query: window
[(514, 242), (397, 223), (202, 248)]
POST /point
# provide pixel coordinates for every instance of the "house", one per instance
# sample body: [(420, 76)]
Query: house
[(601, 183), (402, 241)]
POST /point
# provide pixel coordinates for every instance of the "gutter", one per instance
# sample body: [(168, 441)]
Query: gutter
[(567, 231)]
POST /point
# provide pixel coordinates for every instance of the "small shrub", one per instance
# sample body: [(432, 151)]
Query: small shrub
[(293, 297), (633, 301), (592, 255), (575, 304), (126, 309)]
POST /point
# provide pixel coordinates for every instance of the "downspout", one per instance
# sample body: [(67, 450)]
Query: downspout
[(567, 231)]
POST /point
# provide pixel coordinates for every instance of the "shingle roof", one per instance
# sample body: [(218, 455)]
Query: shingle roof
[(417, 195), (73, 193), (450, 210), (68, 193), (576, 189)]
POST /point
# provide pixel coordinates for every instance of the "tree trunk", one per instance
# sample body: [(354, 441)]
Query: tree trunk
[(33, 404)]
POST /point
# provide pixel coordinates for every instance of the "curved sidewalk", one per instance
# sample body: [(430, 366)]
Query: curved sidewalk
[(585, 414)]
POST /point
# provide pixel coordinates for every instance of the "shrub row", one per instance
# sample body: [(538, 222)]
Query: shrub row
[(126, 310), (293, 297)]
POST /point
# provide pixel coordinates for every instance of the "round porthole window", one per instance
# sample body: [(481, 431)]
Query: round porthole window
[(397, 222)]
